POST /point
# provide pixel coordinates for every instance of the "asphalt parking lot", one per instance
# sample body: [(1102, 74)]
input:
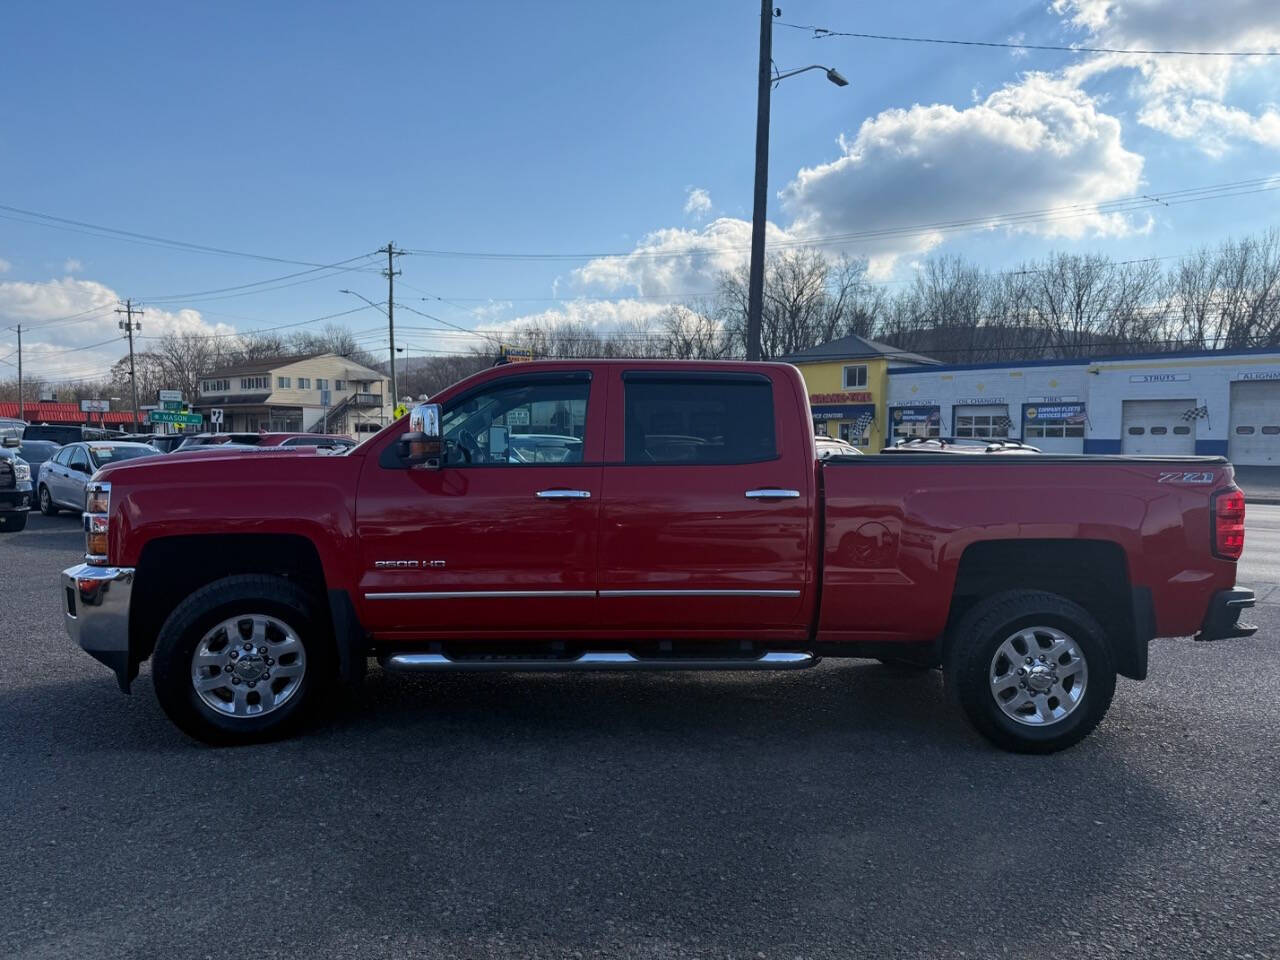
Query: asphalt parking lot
[(840, 812)]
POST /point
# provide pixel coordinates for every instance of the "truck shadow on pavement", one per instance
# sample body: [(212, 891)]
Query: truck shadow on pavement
[(526, 814)]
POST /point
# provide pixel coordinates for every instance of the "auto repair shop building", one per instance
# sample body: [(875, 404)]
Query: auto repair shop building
[(1224, 402)]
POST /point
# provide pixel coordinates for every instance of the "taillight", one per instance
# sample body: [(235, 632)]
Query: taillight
[(97, 503), (1228, 524)]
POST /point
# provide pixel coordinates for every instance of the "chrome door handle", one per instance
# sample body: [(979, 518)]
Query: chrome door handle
[(564, 494), (772, 493)]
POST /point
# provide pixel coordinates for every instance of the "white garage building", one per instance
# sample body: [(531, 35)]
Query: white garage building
[(1223, 402)]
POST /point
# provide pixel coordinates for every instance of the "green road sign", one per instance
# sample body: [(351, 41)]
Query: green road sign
[(175, 405), (169, 416)]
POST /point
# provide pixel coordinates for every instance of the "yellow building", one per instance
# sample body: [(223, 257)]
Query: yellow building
[(848, 384)]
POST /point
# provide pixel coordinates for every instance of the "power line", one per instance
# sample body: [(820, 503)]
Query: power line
[(336, 268), (822, 33), (47, 219)]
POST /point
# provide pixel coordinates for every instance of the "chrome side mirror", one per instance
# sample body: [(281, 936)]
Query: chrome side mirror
[(10, 442), (423, 445)]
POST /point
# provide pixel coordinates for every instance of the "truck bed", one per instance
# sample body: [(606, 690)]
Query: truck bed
[(896, 531)]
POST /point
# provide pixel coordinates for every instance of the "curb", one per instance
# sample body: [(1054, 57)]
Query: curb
[(1267, 501)]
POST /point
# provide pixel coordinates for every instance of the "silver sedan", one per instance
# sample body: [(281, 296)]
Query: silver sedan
[(62, 478)]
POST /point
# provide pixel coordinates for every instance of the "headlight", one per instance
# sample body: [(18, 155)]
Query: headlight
[(97, 498), (21, 471), (97, 506)]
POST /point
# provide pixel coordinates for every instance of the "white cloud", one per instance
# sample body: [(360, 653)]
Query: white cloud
[(66, 349), (72, 265), (697, 202), (1184, 96), (598, 316), (675, 261), (1036, 144)]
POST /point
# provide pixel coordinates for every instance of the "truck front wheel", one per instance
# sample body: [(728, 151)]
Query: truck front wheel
[(242, 660), (1032, 670), (13, 522)]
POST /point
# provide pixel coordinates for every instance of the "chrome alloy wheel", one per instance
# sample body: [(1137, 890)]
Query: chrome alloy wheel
[(1038, 676), (248, 666)]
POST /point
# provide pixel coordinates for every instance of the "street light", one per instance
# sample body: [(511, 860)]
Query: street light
[(832, 74), (755, 294)]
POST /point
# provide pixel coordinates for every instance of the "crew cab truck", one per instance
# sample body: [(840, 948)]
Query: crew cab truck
[(678, 519)]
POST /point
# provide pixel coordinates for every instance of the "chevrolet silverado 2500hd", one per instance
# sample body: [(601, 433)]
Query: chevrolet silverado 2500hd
[(630, 515)]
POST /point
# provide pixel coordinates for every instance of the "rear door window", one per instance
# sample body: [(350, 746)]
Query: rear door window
[(697, 420)]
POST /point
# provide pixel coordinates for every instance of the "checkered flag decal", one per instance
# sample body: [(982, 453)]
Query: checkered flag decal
[(1196, 413), (864, 420), (1003, 422)]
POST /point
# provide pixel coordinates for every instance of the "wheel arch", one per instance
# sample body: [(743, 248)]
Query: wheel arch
[(1091, 573), (169, 569)]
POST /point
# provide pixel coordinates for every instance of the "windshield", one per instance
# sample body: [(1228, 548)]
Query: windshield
[(101, 456)]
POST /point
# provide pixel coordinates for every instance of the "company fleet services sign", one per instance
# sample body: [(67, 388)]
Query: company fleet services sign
[(1065, 412)]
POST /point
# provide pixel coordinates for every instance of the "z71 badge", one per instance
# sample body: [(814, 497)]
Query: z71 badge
[(1178, 476)]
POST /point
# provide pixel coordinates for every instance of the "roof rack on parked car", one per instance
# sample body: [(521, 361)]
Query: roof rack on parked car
[(961, 445)]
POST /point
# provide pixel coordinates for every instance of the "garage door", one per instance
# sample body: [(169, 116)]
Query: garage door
[(1158, 427), (981, 420), (1255, 422)]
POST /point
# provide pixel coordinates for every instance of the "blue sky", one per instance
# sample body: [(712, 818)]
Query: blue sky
[(319, 132)]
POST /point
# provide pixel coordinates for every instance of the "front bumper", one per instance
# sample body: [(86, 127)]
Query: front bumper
[(17, 500), (1222, 620), (96, 613)]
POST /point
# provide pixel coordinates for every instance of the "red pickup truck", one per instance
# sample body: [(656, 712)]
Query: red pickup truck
[(630, 515)]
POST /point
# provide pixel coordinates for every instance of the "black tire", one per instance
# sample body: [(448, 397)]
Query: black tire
[(47, 506), (974, 644), (276, 597), (13, 522)]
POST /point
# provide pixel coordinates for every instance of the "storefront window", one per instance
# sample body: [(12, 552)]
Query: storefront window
[(910, 422)]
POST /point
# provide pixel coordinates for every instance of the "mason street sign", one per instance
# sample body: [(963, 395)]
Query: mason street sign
[(171, 416)]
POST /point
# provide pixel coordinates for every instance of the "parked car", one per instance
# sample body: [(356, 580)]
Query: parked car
[(1033, 581), (61, 433), (327, 440), (205, 439), (828, 447), (164, 442), (63, 477), (36, 452), (15, 487), (962, 445), (268, 440)]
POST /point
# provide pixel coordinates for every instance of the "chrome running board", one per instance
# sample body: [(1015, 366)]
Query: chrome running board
[(600, 660)]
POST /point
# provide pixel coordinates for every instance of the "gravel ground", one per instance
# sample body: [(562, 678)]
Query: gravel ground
[(838, 812)]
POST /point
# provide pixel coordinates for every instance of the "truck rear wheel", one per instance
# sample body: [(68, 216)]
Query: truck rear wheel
[(1032, 670), (242, 660)]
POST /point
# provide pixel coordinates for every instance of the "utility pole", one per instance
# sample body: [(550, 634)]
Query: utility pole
[(755, 291), (129, 326), (391, 273), (21, 407)]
